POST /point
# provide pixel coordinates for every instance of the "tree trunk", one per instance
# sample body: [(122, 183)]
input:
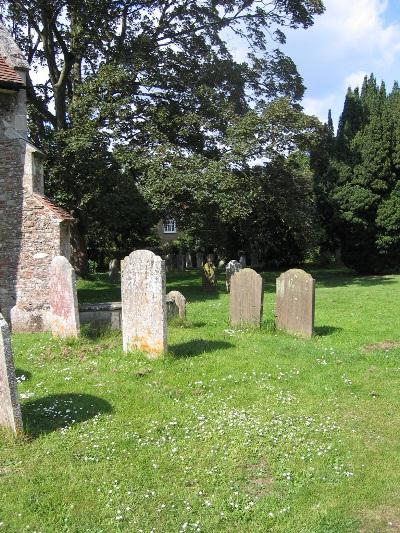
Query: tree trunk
[(79, 259)]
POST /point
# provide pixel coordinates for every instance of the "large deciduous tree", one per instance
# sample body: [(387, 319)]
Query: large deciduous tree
[(140, 92)]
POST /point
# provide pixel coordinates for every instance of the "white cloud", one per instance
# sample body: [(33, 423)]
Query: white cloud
[(355, 79), (319, 107)]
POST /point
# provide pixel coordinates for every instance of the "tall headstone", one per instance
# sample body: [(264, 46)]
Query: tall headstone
[(295, 302), (10, 411), (144, 314), (64, 310), (113, 269), (246, 298), (188, 260), (199, 259), (209, 277), (180, 301), (180, 262)]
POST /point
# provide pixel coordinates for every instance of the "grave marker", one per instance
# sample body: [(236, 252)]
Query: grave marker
[(144, 314), (246, 298), (10, 411), (64, 311), (295, 302)]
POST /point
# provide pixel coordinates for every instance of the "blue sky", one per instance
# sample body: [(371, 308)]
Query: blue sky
[(351, 39)]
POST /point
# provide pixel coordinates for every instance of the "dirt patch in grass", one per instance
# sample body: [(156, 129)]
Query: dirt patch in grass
[(380, 520), (383, 345), (260, 479)]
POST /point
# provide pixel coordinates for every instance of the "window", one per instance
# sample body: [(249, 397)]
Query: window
[(169, 225)]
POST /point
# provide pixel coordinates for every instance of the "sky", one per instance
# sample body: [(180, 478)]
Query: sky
[(351, 39)]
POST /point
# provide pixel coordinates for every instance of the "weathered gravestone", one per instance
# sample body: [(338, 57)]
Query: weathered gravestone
[(64, 311), (199, 259), (10, 411), (243, 261), (209, 278), (180, 302), (180, 262), (295, 300), (246, 298), (188, 260), (113, 269), (144, 314)]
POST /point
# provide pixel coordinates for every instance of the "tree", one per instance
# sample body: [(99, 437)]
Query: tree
[(155, 84)]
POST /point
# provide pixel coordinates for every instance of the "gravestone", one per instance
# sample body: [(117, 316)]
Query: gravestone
[(243, 261), (64, 311), (295, 301), (168, 263), (113, 269), (144, 314), (188, 260), (172, 308), (199, 259), (180, 302), (246, 298), (232, 267), (180, 262), (10, 411)]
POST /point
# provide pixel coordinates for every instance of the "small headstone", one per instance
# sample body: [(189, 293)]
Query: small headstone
[(209, 277), (113, 269), (64, 311), (199, 259), (232, 267), (246, 298), (179, 300), (242, 261), (10, 411), (144, 314), (295, 302), (180, 262), (188, 260)]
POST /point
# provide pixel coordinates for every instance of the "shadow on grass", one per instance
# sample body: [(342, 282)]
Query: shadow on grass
[(324, 331), (197, 347), (22, 375), (61, 411)]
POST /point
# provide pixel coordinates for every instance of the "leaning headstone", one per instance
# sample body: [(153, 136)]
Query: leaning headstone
[(64, 310), (232, 267), (179, 300), (10, 411), (144, 314), (246, 298), (295, 302), (113, 269), (199, 259), (180, 262), (188, 260)]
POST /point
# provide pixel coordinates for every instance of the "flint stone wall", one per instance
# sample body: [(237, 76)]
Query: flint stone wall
[(144, 315), (246, 298), (295, 302), (10, 411)]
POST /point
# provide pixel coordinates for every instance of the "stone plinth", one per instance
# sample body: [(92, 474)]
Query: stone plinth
[(64, 312), (10, 411), (295, 300), (246, 298), (144, 316), (106, 314), (180, 301)]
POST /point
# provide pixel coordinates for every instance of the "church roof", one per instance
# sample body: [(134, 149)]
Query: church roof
[(8, 76), (61, 213)]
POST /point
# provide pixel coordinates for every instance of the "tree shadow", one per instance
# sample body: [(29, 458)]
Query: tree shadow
[(324, 331), (197, 347), (58, 411), (22, 375)]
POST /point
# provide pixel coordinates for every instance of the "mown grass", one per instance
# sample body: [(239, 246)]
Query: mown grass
[(234, 430)]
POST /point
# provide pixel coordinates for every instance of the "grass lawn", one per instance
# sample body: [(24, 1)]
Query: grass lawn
[(234, 430)]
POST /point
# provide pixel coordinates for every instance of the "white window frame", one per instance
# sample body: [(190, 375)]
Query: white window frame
[(169, 225)]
